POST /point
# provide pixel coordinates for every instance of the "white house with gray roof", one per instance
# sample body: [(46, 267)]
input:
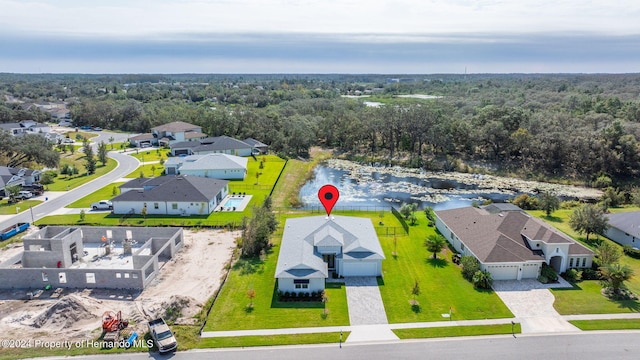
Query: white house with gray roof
[(624, 228), (212, 145), (509, 243), (314, 247), (217, 166), (170, 195)]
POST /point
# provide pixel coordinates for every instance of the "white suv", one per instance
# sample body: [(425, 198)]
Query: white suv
[(102, 205), (24, 194)]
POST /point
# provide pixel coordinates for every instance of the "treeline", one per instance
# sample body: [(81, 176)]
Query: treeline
[(574, 126)]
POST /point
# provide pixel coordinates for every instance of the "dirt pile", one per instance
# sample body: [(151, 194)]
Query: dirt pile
[(177, 309), (64, 313)]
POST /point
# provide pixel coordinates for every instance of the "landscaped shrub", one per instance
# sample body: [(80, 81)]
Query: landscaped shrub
[(543, 279), (548, 272), (482, 279), (590, 274), (470, 265), (572, 275)]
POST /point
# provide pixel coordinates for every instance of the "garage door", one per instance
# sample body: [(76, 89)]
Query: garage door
[(503, 272), (360, 269), (530, 271), (182, 152)]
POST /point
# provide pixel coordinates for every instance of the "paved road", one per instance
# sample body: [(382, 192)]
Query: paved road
[(126, 164), (584, 346)]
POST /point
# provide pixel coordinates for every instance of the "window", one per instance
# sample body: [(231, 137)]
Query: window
[(135, 276), (584, 262), (126, 275), (462, 246), (118, 275), (62, 278), (557, 249), (45, 277), (302, 286), (155, 206), (91, 278), (571, 262), (174, 206)]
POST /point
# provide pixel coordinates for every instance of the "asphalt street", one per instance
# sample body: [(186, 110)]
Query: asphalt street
[(582, 346), (126, 164)]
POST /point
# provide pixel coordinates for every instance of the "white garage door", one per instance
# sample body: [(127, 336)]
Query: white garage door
[(530, 271), (503, 272), (360, 269)]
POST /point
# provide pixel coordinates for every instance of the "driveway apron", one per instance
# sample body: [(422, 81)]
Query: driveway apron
[(366, 311), (531, 303)]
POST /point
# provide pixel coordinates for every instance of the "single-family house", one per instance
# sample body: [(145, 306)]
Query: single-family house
[(176, 131), (212, 145), (217, 166), (509, 243), (313, 248), (142, 139), (624, 228), (258, 146), (10, 176), (25, 127), (170, 195)]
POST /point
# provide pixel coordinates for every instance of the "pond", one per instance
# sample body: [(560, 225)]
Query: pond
[(371, 187), (383, 190)]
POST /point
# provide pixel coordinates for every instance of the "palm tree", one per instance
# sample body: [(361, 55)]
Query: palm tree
[(616, 274), (435, 243)]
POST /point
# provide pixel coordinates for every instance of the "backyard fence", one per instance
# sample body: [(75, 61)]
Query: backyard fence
[(401, 219)]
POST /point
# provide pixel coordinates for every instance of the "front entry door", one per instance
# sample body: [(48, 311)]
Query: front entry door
[(330, 259)]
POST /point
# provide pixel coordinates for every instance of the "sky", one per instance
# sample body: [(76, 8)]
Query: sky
[(329, 36)]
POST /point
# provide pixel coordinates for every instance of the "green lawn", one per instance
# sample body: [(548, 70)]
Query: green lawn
[(148, 170), (66, 182), (586, 297), (229, 312), (149, 155), (270, 172), (105, 193), (441, 284), (450, 331), (273, 340), (10, 209), (609, 324)]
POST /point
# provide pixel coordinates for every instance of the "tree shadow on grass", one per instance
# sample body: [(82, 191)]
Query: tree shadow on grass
[(437, 263)]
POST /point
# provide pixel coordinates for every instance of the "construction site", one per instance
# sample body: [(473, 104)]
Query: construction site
[(138, 274)]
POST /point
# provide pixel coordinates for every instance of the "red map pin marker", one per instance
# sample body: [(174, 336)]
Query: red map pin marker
[(328, 195)]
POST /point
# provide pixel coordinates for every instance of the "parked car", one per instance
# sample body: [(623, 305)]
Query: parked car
[(102, 205), (97, 128), (24, 195), (162, 335), (145, 145), (68, 141), (85, 127)]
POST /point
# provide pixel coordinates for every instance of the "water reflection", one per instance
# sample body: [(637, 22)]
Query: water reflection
[(383, 189)]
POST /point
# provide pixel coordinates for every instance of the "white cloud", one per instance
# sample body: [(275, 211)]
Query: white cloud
[(143, 18)]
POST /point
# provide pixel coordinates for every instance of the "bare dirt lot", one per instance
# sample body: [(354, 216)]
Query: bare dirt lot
[(184, 285)]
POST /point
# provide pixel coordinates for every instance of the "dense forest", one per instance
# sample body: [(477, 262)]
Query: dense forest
[(577, 127)]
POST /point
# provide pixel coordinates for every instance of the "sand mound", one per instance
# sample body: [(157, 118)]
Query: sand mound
[(177, 308), (65, 313)]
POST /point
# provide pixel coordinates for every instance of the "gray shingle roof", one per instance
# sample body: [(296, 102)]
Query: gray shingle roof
[(213, 162), (297, 251), (176, 126), (627, 222), (172, 188), (212, 144), (500, 237)]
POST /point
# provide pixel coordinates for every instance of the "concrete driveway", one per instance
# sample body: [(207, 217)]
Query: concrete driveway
[(367, 316), (531, 303)]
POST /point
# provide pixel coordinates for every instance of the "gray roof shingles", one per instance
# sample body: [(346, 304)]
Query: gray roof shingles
[(168, 188), (297, 250), (627, 222), (498, 237)]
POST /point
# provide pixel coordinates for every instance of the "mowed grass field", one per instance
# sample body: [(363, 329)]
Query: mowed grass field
[(585, 297)]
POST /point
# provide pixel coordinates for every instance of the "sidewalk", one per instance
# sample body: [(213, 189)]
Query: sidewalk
[(371, 331)]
